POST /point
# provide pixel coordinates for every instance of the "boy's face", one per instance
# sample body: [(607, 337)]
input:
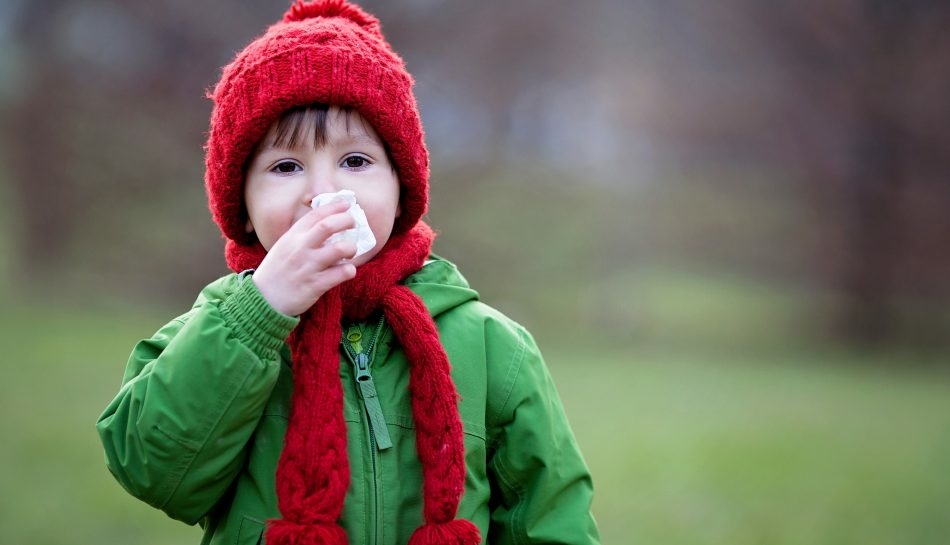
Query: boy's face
[(282, 180)]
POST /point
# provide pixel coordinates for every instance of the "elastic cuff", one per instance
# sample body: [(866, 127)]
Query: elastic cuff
[(254, 320)]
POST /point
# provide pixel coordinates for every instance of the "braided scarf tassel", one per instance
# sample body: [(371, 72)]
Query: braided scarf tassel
[(439, 437), (313, 473)]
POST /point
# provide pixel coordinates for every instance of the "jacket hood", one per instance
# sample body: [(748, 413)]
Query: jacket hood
[(441, 286)]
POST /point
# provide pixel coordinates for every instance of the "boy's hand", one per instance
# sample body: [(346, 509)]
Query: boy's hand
[(299, 269)]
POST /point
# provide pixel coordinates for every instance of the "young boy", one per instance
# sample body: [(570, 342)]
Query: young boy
[(324, 396)]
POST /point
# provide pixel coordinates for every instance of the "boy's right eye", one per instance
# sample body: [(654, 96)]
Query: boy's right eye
[(286, 167)]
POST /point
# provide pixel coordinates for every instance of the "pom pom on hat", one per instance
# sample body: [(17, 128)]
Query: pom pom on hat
[(333, 8), (327, 52)]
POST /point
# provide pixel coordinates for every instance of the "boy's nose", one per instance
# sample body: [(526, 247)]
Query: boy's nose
[(320, 181)]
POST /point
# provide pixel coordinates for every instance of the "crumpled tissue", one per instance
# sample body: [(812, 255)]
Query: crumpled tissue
[(362, 235)]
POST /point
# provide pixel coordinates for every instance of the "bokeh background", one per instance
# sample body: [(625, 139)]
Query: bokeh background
[(727, 223)]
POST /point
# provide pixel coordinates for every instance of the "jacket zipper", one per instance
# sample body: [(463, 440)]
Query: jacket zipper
[(364, 380), (361, 356)]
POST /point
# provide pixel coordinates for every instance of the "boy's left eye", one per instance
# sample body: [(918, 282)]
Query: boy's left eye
[(356, 161)]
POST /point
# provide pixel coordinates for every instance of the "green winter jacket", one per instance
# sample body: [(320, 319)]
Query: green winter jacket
[(197, 427)]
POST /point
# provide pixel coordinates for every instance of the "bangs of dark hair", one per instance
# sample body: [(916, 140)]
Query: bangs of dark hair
[(296, 124)]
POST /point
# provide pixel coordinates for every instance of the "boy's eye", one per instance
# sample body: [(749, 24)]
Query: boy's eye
[(286, 167), (356, 161)]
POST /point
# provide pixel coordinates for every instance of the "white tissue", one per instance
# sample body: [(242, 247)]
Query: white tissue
[(362, 235)]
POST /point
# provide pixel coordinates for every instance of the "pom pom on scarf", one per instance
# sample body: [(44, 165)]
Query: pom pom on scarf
[(454, 532)]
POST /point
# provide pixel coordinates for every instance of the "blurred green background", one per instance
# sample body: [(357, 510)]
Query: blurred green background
[(727, 225)]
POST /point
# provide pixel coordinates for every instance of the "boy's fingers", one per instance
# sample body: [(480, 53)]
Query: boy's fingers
[(329, 226), (341, 273), (345, 249), (316, 215), (329, 209), (332, 255)]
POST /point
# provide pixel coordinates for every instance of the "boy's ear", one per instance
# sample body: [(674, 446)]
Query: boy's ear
[(398, 208), (248, 227)]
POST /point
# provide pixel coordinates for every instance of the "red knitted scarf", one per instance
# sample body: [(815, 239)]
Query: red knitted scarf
[(313, 473)]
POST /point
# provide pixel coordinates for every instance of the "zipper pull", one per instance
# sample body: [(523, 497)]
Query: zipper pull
[(371, 400), (353, 336)]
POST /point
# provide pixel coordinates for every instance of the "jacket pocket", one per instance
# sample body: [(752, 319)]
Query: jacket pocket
[(251, 532)]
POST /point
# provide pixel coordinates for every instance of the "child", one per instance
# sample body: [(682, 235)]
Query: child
[(308, 398)]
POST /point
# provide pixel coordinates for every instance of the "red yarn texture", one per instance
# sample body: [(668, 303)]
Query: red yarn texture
[(332, 52), (313, 473), (328, 52)]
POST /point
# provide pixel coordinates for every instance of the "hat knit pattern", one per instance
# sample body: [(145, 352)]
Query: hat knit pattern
[(333, 52)]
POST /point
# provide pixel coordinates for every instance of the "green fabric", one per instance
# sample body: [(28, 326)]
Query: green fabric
[(197, 427), (353, 345)]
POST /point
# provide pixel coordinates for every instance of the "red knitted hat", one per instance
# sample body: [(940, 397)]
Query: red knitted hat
[(327, 52)]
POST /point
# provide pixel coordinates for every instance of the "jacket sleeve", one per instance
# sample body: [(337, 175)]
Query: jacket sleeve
[(191, 398), (542, 486)]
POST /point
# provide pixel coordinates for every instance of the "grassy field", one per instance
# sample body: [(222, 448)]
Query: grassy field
[(762, 452), (794, 449)]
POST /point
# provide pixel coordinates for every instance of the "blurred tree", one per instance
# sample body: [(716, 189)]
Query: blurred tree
[(111, 113), (870, 84), (758, 107), (834, 110), (37, 153)]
